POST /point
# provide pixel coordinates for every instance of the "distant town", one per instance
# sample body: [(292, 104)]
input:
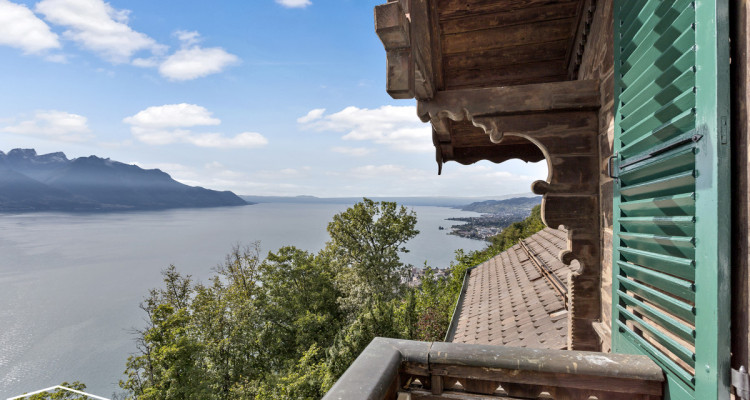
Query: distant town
[(496, 216)]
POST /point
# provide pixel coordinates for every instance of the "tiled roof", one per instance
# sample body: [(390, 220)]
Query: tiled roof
[(517, 297)]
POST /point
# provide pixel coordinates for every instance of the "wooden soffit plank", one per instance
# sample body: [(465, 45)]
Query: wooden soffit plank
[(508, 100)]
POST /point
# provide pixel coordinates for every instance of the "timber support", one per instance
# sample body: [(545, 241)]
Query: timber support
[(562, 120)]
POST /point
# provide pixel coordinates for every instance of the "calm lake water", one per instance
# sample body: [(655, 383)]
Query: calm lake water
[(70, 284)]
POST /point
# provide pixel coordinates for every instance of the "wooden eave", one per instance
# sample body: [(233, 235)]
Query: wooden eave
[(441, 46)]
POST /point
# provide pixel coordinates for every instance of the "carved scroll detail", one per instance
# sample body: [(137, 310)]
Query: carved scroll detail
[(561, 119)]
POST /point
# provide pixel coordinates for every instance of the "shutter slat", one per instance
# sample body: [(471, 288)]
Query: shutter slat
[(668, 185), (670, 162), (662, 19), (659, 39), (675, 327), (657, 354), (674, 306), (680, 52), (672, 79), (673, 108), (677, 205), (677, 266), (673, 226), (676, 246), (677, 349), (636, 16), (678, 125), (678, 287), (643, 108)]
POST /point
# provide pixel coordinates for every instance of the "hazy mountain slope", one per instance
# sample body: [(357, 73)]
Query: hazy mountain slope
[(503, 206), (52, 182)]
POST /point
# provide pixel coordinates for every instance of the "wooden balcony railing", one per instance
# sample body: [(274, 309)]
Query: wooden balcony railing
[(410, 370)]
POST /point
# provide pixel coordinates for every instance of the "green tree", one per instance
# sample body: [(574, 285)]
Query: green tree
[(60, 394), (365, 243)]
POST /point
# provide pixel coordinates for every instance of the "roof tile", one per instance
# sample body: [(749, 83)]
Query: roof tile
[(509, 301)]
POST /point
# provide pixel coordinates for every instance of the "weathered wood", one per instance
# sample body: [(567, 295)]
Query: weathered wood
[(740, 78), (437, 384), (482, 368), (526, 34), (562, 120), (573, 95), (392, 26), (579, 40), (460, 8), (554, 50), (422, 48), (508, 75), (482, 21), (400, 80), (545, 379), (436, 44)]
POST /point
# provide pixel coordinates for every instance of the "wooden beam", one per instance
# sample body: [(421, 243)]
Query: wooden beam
[(526, 34), (578, 43), (740, 83), (421, 40), (482, 21), (542, 97), (391, 26)]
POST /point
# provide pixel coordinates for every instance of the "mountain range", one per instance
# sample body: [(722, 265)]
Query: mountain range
[(33, 182), (506, 206)]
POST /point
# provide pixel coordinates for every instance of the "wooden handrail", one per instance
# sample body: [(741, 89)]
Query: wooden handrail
[(388, 367)]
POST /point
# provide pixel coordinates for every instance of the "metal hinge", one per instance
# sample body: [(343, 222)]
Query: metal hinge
[(741, 383)]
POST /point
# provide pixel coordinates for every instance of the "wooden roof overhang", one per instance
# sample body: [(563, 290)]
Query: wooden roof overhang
[(497, 80), (438, 46)]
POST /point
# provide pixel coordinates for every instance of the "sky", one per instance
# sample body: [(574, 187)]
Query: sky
[(261, 97)]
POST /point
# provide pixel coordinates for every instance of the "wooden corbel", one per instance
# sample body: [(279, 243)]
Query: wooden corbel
[(404, 28), (562, 119)]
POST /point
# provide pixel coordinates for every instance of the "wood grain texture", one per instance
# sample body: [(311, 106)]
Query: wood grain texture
[(740, 36), (526, 34), (482, 21)]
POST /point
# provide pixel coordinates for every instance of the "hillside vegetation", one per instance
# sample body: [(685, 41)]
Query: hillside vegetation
[(288, 325)]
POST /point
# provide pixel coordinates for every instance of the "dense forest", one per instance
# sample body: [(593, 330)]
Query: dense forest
[(288, 325)]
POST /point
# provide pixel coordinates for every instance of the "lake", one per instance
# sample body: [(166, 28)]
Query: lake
[(70, 284)]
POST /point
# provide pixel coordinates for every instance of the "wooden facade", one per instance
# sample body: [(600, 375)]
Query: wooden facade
[(535, 80)]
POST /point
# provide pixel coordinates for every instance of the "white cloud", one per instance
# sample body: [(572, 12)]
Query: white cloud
[(173, 115), (20, 28), (245, 139), (188, 38), (396, 127), (313, 115), (53, 124), (294, 3), (99, 27), (172, 123), (193, 61), (352, 151), (196, 62)]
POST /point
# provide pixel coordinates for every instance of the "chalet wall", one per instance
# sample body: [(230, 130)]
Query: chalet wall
[(598, 63), (740, 174)]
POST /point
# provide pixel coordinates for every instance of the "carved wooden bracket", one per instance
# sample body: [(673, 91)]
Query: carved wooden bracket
[(562, 119), (404, 28)]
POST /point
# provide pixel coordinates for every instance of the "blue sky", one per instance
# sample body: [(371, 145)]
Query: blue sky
[(264, 97)]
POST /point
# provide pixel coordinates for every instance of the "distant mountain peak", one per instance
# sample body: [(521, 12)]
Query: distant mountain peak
[(31, 182), (31, 155), (22, 153)]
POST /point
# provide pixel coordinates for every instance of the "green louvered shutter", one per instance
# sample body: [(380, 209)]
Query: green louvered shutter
[(671, 202)]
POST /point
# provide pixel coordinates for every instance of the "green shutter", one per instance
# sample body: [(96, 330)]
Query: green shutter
[(670, 287)]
